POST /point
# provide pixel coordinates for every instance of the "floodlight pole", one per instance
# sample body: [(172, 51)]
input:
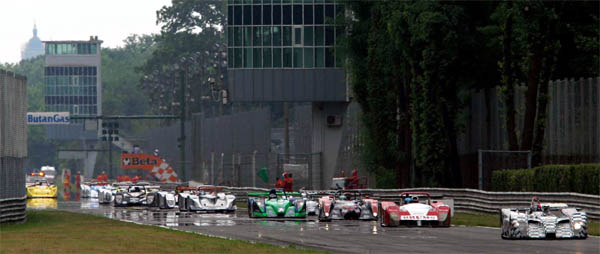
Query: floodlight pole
[(110, 166), (183, 75)]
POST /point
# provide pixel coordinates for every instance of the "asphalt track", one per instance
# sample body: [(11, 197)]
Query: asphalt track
[(336, 236)]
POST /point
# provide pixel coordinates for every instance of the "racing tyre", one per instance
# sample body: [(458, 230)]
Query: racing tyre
[(322, 215), (250, 206), (182, 205), (380, 216)]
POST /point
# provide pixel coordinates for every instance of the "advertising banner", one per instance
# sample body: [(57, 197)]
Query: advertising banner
[(44, 118), (157, 166)]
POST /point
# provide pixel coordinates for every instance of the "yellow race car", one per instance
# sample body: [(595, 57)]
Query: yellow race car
[(42, 189)]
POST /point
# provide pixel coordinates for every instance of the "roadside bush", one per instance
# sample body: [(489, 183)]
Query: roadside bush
[(581, 178)]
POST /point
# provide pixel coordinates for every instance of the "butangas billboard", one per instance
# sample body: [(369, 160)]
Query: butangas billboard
[(154, 164)]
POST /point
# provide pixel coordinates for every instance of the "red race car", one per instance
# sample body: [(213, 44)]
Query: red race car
[(415, 209)]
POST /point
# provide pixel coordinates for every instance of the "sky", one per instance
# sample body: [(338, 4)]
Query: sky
[(111, 20)]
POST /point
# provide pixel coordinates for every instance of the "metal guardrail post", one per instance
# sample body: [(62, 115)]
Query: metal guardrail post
[(480, 166), (212, 168), (254, 168)]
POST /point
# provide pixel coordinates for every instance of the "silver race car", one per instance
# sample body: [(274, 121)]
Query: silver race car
[(106, 195), (137, 194), (312, 205), (92, 188), (163, 199), (347, 205), (205, 199), (543, 220)]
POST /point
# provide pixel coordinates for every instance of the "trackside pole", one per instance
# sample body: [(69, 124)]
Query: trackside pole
[(480, 165), (254, 168)]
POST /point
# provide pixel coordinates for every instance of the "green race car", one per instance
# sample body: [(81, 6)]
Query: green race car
[(276, 204)]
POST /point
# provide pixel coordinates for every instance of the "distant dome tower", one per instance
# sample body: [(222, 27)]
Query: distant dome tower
[(34, 46)]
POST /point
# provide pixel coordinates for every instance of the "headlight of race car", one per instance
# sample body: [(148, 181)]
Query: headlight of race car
[(577, 225), (402, 209), (150, 198), (118, 198)]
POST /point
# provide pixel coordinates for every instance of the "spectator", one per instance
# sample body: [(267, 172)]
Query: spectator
[(104, 176), (353, 180), (279, 183), (136, 149), (126, 178), (289, 183), (135, 179), (78, 179)]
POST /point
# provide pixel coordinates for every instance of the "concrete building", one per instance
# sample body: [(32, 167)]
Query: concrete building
[(73, 83), (33, 47), (284, 51)]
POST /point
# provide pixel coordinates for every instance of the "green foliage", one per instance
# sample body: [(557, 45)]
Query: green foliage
[(582, 178), (121, 96), (191, 41)]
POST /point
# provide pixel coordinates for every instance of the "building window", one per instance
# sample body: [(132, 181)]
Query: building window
[(276, 36), (287, 36), (266, 35), (308, 58), (287, 14), (287, 57), (308, 36), (267, 58), (276, 57), (283, 33), (266, 14), (297, 14), (298, 57), (297, 36), (257, 57), (257, 38)]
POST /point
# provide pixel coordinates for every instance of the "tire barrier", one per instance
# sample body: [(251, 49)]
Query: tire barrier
[(13, 209)]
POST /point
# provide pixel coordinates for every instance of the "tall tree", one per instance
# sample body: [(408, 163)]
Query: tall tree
[(542, 40), (191, 38)]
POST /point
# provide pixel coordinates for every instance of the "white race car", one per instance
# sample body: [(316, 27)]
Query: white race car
[(163, 199), (91, 189), (543, 220), (205, 199), (312, 205), (135, 195)]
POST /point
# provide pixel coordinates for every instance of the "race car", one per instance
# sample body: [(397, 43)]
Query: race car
[(90, 189), (347, 205), (106, 195), (415, 209), (163, 199), (135, 195), (205, 199), (543, 220), (312, 205), (42, 189), (276, 204)]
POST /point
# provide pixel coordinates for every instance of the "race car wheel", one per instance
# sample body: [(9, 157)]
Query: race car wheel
[(380, 217), (446, 223), (182, 206), (322, 215), (250, 213)]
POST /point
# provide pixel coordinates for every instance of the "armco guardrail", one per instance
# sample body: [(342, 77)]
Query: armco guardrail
[(471, 200), (13, 209)]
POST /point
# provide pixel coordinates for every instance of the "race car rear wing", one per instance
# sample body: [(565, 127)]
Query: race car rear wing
[(264, 194)]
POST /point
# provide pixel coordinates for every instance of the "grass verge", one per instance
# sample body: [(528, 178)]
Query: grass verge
[(65, 232), (485, 220)]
